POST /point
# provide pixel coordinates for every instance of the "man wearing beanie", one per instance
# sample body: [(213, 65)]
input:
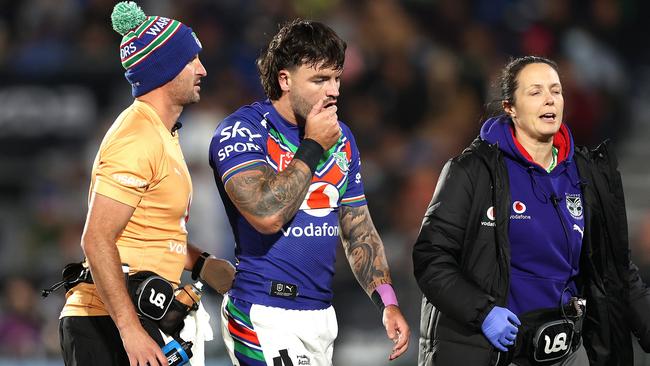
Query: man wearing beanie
[(139, 199)]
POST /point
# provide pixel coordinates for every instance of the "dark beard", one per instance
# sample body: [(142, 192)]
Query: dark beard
[(300, 110)]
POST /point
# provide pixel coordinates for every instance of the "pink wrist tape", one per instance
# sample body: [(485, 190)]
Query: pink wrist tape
[(387, 294)]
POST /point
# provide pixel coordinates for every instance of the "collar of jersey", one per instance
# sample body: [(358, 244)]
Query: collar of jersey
[(145, 108), (276, 116)]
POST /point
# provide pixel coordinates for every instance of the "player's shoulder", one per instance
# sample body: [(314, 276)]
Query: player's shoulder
[(136, 120), (345, 128), (249, 117), (136, 131), (347, 133)]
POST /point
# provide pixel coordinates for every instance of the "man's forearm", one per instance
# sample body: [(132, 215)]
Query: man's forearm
[(363, 248), (193, 254), (260, 192), (106, 267)]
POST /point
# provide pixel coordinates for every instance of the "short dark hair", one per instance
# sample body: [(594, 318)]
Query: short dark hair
[(297, 43), (508, 80)]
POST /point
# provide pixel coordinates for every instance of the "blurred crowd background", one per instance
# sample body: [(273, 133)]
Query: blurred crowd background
[(418, 79)]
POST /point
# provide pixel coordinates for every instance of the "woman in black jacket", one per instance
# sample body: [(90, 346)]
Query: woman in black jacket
[(523, 253)]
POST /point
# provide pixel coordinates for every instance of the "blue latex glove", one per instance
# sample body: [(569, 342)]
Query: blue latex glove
[(500, 327)]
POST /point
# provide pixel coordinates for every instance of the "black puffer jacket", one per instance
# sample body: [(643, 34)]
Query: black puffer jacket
[(462, 262)]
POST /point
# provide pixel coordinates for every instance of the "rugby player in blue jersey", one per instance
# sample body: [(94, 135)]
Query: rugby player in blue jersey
[(288, 172)]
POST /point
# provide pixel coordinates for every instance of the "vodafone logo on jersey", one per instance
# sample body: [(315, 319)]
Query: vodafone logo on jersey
[(490, 213), (490, 216), (321, 199), (519, 207)]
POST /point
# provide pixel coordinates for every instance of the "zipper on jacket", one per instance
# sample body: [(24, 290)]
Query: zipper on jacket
[(499, 183), (555, 200)]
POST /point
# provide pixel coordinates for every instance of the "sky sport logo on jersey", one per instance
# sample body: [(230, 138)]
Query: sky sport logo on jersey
[(519, 208), (237, 132)]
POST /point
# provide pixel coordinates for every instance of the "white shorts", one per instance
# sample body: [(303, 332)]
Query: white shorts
[(257, 335)]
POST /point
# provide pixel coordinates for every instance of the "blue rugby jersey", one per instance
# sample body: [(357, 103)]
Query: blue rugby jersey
[(546, 221), (303, 252)]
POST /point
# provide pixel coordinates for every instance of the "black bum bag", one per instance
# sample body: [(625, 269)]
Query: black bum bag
[(154, 298), (546, 336)]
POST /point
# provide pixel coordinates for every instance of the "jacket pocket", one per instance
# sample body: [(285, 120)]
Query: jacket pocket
[(448, 329), (449, 353)]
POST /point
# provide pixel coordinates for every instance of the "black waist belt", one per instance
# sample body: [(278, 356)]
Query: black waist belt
[(153, 296), (547, 336), (74, 274)]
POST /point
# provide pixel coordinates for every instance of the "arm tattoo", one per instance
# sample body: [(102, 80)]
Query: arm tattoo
[(261, 192), (363, 248)]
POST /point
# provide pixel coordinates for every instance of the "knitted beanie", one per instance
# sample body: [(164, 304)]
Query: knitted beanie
[(154, 49)]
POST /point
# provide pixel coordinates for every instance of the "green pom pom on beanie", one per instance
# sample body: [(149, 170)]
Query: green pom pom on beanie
[(126, 16)]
